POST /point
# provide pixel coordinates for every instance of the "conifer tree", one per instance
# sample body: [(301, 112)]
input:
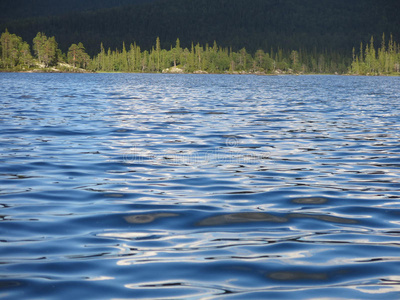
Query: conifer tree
[(102, 58), (158, 54), (26, 56), (73, 54), (77, 56), (38, 45), (46, 49), (124, 59), (11, 46)]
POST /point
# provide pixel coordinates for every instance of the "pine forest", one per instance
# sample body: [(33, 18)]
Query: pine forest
[(373, 58)]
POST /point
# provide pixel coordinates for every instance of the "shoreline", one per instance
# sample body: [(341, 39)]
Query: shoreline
[(82, 71)]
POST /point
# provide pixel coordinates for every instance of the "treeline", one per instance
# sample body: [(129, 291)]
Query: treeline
[(17, 56), (371, 61), (216, 59), (14, 52)]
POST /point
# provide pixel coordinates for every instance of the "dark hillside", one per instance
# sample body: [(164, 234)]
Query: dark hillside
[(312, 25), (18, 9)]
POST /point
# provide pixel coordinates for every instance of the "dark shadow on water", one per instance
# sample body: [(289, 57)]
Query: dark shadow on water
[(249, 217), (326, 218), (9, 284), (244, 217), (148, 218), (288, 275), (310, 200)]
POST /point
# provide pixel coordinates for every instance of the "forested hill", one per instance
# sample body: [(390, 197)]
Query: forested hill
[(313, 25), (19, 9)]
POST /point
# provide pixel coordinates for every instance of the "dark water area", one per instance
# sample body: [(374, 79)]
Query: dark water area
[(131, 186)]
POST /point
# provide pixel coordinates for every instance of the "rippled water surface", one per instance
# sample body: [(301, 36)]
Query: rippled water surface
[(127, 186)]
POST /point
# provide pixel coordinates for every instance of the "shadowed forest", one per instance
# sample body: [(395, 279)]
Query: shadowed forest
[(236, 36)]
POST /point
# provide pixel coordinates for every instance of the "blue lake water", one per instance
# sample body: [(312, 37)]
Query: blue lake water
[(129, 186)]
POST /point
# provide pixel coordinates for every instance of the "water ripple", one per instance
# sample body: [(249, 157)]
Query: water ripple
[(121, 186)]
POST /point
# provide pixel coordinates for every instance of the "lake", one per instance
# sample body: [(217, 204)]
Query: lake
[(129, 186)]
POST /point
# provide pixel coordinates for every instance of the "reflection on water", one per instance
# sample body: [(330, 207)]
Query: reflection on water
[(310, 200), (298, 276), (241, 218), (326, 218), (127, 186), (148, 218), (264, 217)]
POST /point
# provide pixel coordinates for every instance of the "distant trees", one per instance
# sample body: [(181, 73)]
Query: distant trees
[(77, 56), (46, 49), (216, 59), (371, 61), (15, 54), (14, 51)]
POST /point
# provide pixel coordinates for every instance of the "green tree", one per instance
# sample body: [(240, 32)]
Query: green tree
[(158, 54), (26, 56), (176, 52), (73, 55), (199, 54), (102, 58), (77, 56), (46, 49), (11, 47), (124, 59), (145, 60), (294, 57), (259, 59), (38, 46), (243, 59)]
